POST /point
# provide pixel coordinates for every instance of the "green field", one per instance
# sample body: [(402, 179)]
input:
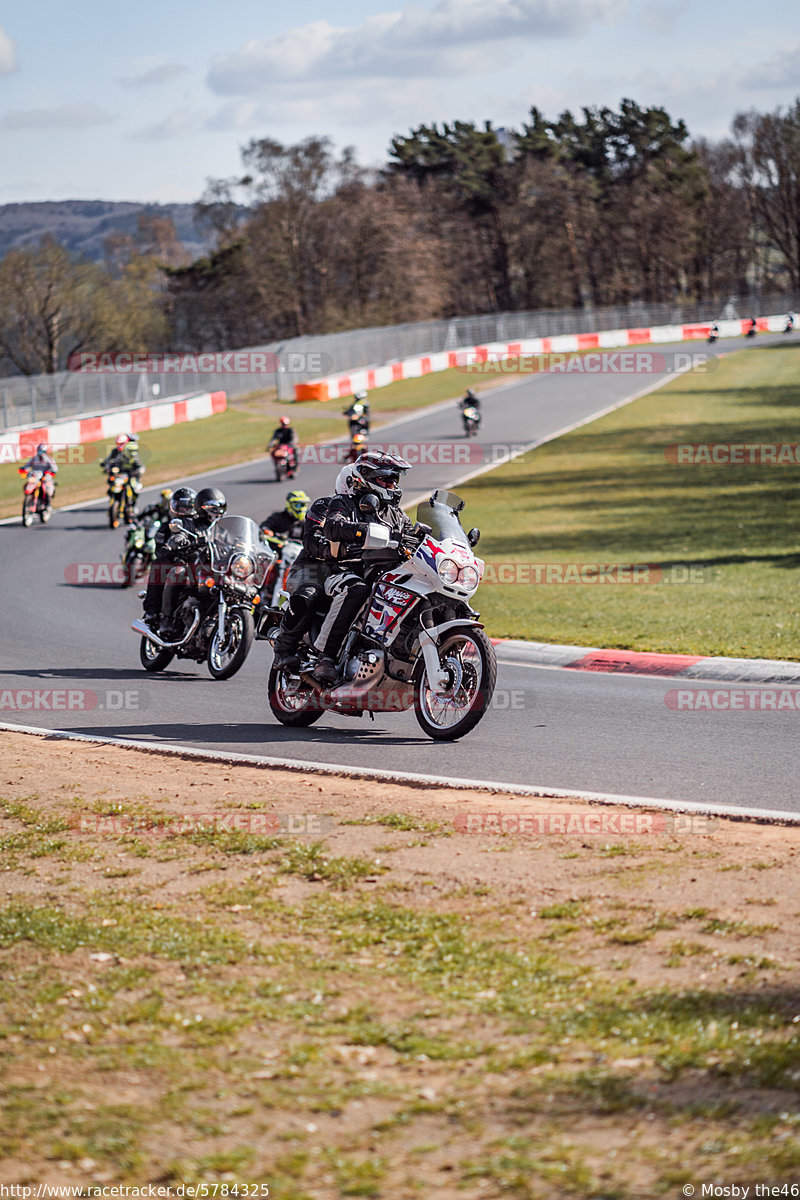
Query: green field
[(725, 537)]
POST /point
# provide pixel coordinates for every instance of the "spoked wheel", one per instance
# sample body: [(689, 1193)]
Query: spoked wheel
[(27, 512), (292, 701), (226, 657), (152, 657), (113, 513), (468, 658)]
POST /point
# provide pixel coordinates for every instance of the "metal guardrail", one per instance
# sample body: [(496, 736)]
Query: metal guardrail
[(26, 400)]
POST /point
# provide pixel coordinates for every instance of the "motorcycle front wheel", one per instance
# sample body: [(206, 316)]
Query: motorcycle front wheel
[(152, 657), (27, 514), (468, 657), (225, 658), (113, 513), (292, 701), (131, 568)]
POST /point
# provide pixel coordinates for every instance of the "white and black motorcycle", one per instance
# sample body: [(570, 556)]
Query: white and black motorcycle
[(416, 643)]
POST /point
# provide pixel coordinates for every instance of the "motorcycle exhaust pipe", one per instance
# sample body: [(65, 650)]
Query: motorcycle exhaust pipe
[(139, 626), (369, 674)]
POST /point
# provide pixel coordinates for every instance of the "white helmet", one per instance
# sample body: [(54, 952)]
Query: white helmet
[(344, 481)]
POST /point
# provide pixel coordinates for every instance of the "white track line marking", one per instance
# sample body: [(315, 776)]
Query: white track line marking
[(770, 816)]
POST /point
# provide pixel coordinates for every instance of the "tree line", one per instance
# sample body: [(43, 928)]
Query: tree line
[(603, 207)]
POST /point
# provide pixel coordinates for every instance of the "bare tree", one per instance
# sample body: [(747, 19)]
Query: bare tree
[(768, 151)]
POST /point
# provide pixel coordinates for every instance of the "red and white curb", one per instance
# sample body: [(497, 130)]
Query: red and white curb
[(332, 387), (764, 816), (634, 662), (19, 443)]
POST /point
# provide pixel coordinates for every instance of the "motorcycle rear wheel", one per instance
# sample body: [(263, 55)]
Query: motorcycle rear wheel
[(298, 708), (469, 659)]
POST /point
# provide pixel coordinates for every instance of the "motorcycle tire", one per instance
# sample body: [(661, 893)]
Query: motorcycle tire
[(152, 657), (220, 669), (297, 715), (113, 514), (130, 570), (27, 515), (479, 674)]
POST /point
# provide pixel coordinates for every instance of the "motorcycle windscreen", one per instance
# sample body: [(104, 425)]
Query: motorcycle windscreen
[(239, 535), (441, 514)]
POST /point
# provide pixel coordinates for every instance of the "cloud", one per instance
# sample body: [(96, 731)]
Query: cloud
[(155, 76), (8, 54), (662, 15), (239, 114), (311, 106), (65, 116), (182, 122), (453, 36), (783, 70)]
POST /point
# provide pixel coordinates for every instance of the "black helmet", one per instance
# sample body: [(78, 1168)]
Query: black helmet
[(211, 503), (380, 473), (182, 502)]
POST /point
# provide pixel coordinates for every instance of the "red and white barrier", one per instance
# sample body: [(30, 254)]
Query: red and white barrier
[(21, 443), (332, 387)]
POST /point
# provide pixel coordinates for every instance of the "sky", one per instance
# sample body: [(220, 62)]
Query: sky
[(146, 101)]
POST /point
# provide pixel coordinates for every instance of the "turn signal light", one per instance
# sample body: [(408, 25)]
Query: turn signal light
[(209, 583)]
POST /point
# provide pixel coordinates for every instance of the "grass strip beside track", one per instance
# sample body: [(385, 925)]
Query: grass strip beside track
[(722, 541)]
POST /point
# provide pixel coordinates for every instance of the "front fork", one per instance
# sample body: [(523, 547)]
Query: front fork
[(221, 614), (433, 668)]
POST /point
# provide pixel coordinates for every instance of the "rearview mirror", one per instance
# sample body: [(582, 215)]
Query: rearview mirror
[(473, 537), (369, 503), (176, 526)]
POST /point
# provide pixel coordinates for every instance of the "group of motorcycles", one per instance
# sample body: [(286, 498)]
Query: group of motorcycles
[(752, 328), (416, 644)]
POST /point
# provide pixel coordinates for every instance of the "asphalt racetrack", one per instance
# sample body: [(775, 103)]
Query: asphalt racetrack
[(551, 727)]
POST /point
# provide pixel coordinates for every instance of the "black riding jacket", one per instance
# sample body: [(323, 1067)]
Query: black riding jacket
[(345, 526)]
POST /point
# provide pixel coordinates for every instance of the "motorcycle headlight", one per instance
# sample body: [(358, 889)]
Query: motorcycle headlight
[(469, 578), (241, 566), (448, 570)]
